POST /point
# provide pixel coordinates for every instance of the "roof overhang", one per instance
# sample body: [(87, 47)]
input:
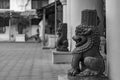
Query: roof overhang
[(50, 8)]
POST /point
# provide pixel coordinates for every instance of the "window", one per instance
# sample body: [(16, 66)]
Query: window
[(37, 4), (4, 22), (4, 4), (2, 29)]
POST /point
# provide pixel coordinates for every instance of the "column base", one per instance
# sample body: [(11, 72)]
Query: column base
[(47, 47)]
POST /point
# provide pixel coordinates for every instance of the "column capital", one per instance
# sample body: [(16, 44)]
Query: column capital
[(64, 2)]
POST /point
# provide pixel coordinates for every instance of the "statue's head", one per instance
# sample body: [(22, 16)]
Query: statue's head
[(83, 30), (62, 29)]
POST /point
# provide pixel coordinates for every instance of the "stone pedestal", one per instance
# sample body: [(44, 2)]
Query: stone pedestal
[(66, 77), (61, 57)]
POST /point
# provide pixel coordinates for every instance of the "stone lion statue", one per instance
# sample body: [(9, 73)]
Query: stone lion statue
[(62, 42), (86, 56)]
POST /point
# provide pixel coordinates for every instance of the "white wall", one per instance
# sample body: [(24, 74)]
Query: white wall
[(51, 1), (113, 37), (34, 29), (29, 31), (5, 36), (19, 5), (74, 14)]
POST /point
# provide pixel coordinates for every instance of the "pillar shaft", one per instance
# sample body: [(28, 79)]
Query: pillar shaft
[(113, 38), (65, 14), (64, 3), (42, 27)]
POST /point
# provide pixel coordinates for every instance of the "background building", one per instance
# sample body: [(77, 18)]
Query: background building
[(19, 18)]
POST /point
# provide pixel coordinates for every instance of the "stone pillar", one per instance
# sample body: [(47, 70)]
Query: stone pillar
[(44, 24), (113, 38), (42, 27), (64, 3)]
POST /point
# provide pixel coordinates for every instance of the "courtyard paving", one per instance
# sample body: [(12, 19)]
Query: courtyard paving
[(27, 61)]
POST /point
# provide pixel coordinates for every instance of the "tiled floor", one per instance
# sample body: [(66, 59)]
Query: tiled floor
[(27, 61)]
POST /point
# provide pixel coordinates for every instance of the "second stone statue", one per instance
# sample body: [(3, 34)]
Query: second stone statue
[(62, 42)]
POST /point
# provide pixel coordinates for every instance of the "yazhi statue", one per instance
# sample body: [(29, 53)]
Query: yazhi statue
[(87, 60), (87, 52), (62, 42)]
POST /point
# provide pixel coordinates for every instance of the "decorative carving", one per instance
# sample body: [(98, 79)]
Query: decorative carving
[(62, 42), (87, 53)]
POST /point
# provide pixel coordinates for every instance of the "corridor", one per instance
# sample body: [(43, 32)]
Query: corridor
[(27, 61)]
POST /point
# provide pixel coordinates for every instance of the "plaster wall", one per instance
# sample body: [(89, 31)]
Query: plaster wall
[(5, 36), (19, 5), (34, 29), (113, 38)]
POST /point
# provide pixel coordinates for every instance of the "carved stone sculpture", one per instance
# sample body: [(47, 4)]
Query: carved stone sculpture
[(62, 42), (86, 54)]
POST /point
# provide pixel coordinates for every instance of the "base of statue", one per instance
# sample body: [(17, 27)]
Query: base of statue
[(48, 47), (60, 57), (67, 77)]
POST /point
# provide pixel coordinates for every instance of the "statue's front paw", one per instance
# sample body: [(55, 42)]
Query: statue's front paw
[(73, 72)]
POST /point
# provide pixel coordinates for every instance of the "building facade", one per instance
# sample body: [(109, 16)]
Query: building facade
[(17, 11)]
